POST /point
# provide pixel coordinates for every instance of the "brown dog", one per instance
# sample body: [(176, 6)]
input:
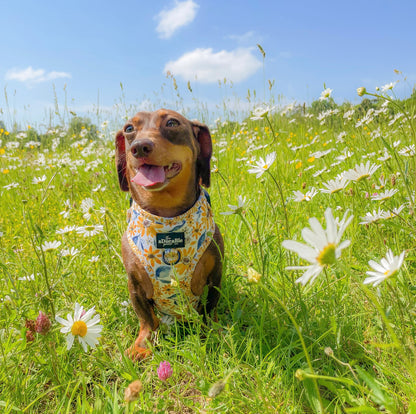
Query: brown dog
[(172, 248)]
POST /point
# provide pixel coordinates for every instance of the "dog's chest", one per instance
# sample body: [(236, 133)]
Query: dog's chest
[(169, 249)]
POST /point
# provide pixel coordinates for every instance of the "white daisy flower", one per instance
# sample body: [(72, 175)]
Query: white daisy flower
[(65, 213), (11, 185), (87, 206), (325, 94), (94, 259), (66, 229), (395, 118), (348, 115), (27, 278), (393, 213), (388, 86), (408, 151), (384, 195), (49, 246), (323, 248), (298, 196), (319, 172), (83, 325), (37, 180), (98, 188), (91, 230), (241, 203), (69, 252), (102, 211), (359, 172), (261, 112), (320, 154), (263, 165), (387, 267), (385, 157), (382, 180), (373, 217), (335, 185), (344, 155)]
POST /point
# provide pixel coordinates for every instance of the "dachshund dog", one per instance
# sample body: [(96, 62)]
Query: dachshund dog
[(172, 249)]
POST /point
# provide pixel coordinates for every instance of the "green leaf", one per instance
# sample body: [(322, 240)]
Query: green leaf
[(9, 407), (412, 408), (362, 409), (311, 395), (378, 395), (127, 376), (343, 393)]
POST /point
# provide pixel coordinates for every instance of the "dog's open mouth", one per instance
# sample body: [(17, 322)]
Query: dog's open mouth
[(149, 175)]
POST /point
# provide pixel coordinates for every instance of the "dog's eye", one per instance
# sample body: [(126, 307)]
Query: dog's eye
[(172, 123), (129, 128)]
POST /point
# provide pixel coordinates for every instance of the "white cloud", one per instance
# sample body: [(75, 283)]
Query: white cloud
[(205, 66), (171, 20), (247, 37), (34, 75)]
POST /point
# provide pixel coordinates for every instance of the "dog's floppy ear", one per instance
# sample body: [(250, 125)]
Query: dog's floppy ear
[(121, 163), (203, 137)]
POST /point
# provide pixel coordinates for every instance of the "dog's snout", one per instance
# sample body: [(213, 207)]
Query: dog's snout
[(142, 148)]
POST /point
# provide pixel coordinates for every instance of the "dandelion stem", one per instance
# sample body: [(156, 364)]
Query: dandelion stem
[(271, 128), (282, 198)]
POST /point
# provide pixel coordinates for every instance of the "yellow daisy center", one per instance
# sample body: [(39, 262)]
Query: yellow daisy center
[(361, 177), (79, 328), (327, 255), (389, 273), (265, 166)]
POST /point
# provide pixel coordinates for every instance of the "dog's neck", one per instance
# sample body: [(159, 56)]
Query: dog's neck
[(171, 201)]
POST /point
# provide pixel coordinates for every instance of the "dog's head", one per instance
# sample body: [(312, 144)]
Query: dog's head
[(156, 149)]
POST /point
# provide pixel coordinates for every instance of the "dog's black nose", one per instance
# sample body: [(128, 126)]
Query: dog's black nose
[(141, 148)]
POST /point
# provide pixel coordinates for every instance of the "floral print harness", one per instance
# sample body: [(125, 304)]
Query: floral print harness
[(169, 249)]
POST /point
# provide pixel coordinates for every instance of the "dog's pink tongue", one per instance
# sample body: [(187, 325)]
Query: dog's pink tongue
[(149, 175)]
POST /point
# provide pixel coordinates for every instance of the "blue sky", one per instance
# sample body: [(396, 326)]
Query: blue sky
[(85, 49)]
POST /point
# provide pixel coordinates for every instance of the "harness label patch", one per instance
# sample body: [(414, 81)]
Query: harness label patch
[(170, 240)]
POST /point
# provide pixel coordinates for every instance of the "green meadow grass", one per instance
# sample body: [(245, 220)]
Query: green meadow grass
[(334, 345)]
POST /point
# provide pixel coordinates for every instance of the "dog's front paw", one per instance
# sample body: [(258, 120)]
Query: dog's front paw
[(138, 353)]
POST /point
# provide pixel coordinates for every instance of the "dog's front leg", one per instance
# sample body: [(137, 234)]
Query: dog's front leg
[(147, 318)]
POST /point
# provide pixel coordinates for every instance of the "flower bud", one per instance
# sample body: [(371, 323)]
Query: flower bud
[(328, 350), (361, 91), (252, 275), (164, 371), (43, 323), (29, 336), (30, 325), (300, 374)]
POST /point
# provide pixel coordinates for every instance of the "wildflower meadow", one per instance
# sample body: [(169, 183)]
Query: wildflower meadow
[(316, 204)]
